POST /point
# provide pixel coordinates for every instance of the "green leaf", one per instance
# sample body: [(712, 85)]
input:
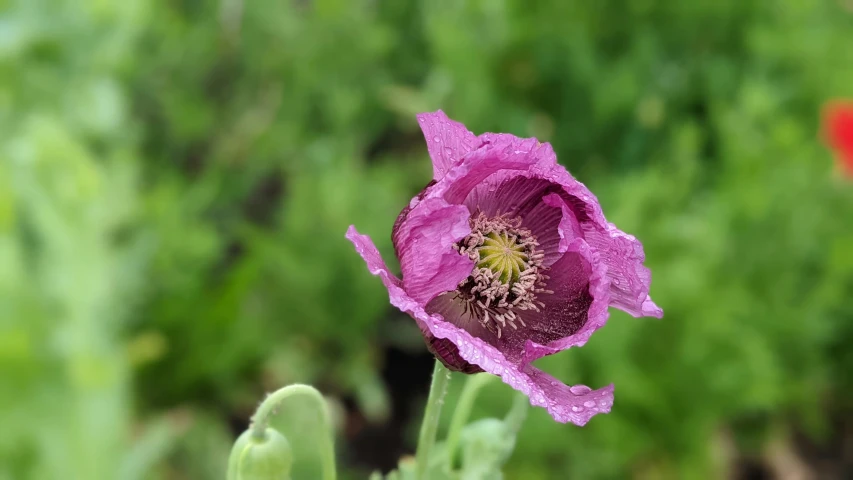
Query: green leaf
[(488, 443)]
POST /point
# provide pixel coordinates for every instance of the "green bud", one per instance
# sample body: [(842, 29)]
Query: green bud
[(266, 458)]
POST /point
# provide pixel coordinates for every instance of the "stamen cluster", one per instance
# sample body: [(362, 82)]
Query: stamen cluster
[(507, 275)]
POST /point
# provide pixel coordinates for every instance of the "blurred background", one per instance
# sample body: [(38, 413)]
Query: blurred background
[(176, 177)]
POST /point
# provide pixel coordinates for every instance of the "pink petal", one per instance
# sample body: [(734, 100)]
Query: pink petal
[(620, 252), (447, 141), (629, 278), (565, 404), (569, 229), (424, 243), (597, 310), (498, 153), (365, 247)]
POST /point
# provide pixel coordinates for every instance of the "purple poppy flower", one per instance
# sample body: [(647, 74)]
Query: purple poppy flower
[(506, 258)]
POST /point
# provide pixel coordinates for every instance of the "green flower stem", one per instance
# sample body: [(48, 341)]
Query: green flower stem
[(517, 413), (261, 419), (429, 427), (472, 387)]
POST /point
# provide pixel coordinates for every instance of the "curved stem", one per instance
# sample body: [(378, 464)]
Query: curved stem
[(267, 408), (472, 387), (517, 413), (429, 426)]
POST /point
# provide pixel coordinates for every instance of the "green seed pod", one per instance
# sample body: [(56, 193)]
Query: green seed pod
[(267, 458)]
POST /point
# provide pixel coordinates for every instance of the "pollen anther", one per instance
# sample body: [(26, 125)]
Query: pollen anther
[(507, 275)]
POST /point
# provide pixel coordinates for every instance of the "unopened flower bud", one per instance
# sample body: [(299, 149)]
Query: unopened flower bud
[(260, 458)]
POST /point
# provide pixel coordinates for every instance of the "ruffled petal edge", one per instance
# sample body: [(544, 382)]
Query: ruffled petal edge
[(597, 314), (576, 404), (424, 244), (622, 253), (447, 141)]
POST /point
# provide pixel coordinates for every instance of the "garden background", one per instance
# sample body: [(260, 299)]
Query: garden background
[(176, 177)]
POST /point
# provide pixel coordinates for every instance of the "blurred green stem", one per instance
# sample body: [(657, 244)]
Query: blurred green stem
[(473, 384), (432, 413), (261, 420), (517, 413)]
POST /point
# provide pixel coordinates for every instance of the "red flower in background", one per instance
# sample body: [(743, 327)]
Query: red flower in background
[(838, 130)]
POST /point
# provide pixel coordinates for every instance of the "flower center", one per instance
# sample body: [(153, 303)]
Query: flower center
[(503, 255), (507, 275)]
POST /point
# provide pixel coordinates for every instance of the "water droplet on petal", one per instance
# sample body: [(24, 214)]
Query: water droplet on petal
[(577, 408), (589, 404), (436, 139), (579, 389), (448, 151)]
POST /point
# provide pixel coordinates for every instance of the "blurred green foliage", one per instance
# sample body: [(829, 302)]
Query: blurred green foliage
[(176, 177)]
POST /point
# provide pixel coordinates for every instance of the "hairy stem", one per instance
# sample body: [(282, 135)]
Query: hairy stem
[(517, 413), (432, 413), (262, 416), (472, 387)]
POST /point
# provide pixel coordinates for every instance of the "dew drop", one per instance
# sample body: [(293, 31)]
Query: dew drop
[(436, 139), (589, 404), (579, 389), (604, 404), (577, 408), (448, 151)]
